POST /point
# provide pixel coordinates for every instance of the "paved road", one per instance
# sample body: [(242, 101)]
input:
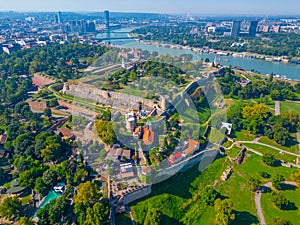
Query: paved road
[(269, 146), (256, 141), (257, 198), (298, 138), (277, 108)]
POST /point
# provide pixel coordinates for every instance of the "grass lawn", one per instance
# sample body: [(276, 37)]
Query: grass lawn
[(271, 211), (236, 188), (267, 150), (171, 194), (290, 106), (292, 146), (229, 101), (194, 129), (227, 144), (25, 200), (215, 136), (242, 136), (192, 116), (233, 152), (132, 91)]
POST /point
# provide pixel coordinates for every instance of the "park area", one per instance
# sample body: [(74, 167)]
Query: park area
[(290, 106), (170, 197)]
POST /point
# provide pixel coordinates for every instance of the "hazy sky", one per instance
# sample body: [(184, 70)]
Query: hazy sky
[(162, 6)]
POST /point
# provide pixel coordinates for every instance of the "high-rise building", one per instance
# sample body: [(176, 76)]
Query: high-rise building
[(266, 29), (276, 29), (235, 28), (58, 17), (106, 19), (82, 26), (74, 26), (90, 27), (253, 28)]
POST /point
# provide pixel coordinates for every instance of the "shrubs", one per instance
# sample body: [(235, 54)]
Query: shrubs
[(254, 184), (264, 174), (279, 200), (277, 180), (280, 221), (269, 159)]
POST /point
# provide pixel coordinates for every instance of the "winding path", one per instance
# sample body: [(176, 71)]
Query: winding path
[(277, 108), (257, 198), (298, 138), (256, 141)]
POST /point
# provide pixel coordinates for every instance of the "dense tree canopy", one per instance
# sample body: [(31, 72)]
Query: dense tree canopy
[(106, 132), (224, 211), (11, 206), (58, 61)]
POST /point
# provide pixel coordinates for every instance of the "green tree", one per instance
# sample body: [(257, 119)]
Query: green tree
[(209, 195), (281, 135), (269, 159), (279, 200), (153, 217), (254, 184), (276, 95), (296, 177), (106, 132), (11, 206), (53, 102), (58, 210), (50, 177), (48, 113), (255, 117), (22, 143), (27, 178), (277, 181), (224, 211), (26, 221), (96, 215), (80, 175), (87, 193), (280, 221), (292, 119), (53, 150), (40, 187)]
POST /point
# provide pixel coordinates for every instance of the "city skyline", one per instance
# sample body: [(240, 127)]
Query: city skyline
[(233, 7)]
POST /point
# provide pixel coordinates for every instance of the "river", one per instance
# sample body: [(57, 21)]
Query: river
[(291, 71)]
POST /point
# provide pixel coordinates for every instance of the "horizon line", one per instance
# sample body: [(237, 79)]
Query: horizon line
[(160, 13)]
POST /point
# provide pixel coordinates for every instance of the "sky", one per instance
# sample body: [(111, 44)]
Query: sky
[(261, 7)]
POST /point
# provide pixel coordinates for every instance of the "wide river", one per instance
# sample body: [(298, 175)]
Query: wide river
[(291, 71)]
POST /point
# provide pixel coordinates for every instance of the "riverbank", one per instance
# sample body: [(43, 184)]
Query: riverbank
[(282, 59), (246, 61)]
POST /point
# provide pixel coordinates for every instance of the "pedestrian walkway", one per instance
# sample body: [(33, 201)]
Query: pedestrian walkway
[(277, 108), (298, 138)]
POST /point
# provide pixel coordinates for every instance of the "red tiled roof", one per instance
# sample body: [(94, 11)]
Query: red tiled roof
[(174, 157), (148, 136), (66, 133), (192, 146)]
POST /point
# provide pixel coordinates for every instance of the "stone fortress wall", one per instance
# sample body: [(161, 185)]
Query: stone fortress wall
[(204, 157), (109, 98), (135, 195)]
